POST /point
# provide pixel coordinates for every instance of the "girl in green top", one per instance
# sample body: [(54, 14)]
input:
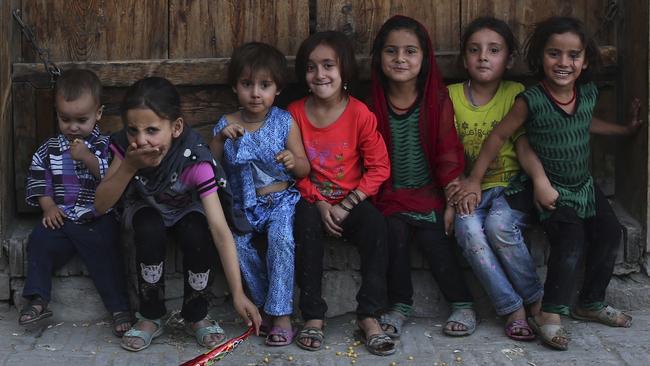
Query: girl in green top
[(557, 115)]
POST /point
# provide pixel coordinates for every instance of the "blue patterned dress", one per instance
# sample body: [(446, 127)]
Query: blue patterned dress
[(250, 164)]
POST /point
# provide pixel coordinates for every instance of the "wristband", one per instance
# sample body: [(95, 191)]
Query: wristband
[(344, 207)]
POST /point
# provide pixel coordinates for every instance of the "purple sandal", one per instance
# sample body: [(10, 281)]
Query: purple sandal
[(286, 335), (520, 324)]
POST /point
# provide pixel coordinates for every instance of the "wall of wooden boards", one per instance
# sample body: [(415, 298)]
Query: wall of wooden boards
[(189, 41)]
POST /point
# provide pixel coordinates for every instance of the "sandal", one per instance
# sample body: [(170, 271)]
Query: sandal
[(551, 334), (520, 324), (393, 319), (466, 317), (200, 333), (312, 333), (286, 335), (607, 315), (142, 334), (120, 318), (33, 313), (377, 344)]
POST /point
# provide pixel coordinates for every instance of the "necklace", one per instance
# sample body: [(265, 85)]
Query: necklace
[(470, 96), (573, 97), (398, 109), (246, 120)]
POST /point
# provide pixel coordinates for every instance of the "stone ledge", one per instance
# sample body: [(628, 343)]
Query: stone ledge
[(341, 277)]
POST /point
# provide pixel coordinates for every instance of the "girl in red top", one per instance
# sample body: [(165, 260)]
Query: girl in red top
[(349, 162), (416, 118)]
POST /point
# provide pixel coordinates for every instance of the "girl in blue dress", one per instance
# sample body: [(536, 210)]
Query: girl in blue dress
[(261, 150)]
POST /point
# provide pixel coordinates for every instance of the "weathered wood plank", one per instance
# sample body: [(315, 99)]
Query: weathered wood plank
[(522, 15), (24, 137), (80, 30), (205, 28), (632, 152), (362, 19), (9, 47), (213, 71)]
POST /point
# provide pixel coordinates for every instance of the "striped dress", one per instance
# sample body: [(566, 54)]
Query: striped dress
[(561, 141), (408, 164)]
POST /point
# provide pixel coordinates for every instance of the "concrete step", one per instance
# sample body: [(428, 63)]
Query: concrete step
[(75, 298)]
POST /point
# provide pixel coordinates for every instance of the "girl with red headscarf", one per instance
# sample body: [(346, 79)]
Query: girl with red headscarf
[(416, 118)]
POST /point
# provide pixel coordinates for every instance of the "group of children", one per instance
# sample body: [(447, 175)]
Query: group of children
[(422, 162)]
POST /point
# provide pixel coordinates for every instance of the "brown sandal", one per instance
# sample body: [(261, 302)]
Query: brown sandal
[(33, 313)]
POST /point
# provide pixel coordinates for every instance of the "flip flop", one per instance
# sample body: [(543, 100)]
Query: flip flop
[(144, 335), (607, 315), (520, 324), (286, 334), (549, 333), (377, 344), (312, 333), (34, 314), (393, 319), (466, 317)]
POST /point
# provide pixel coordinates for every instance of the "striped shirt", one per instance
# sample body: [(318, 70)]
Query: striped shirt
[(68, 182)]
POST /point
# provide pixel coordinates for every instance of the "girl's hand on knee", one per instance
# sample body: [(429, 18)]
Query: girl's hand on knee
[(467, 204), (248, 311), (332, 225)]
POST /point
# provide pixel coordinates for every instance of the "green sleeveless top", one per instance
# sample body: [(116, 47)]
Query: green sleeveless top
[(561, 141), (408, 164)]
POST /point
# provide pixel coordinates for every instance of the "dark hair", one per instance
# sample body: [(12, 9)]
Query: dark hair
[(74, 82), (534, 47), (399, 22), (498, 26), (256, 56), (155, 93), (341, 45)]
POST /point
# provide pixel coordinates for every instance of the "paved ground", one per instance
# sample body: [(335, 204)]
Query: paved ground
[(77, 344)]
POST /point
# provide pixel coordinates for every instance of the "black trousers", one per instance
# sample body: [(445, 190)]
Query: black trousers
[(366, 227), (437, 248), (594, 240), (199, 256)]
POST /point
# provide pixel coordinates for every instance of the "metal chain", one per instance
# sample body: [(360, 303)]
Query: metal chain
[(610, 17), (43, 53)]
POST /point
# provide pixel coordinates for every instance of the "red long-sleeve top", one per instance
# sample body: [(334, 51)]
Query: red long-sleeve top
[(346, 155)]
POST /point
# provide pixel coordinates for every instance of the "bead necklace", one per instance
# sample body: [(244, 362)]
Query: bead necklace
[(573, 97)]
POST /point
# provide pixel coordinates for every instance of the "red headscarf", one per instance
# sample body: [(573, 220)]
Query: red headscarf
[(440, 144)]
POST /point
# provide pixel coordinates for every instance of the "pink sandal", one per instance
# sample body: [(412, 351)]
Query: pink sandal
[(286, 335), (520, 324)]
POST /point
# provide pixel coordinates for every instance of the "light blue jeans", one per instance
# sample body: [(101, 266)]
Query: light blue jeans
[(494, 246)]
